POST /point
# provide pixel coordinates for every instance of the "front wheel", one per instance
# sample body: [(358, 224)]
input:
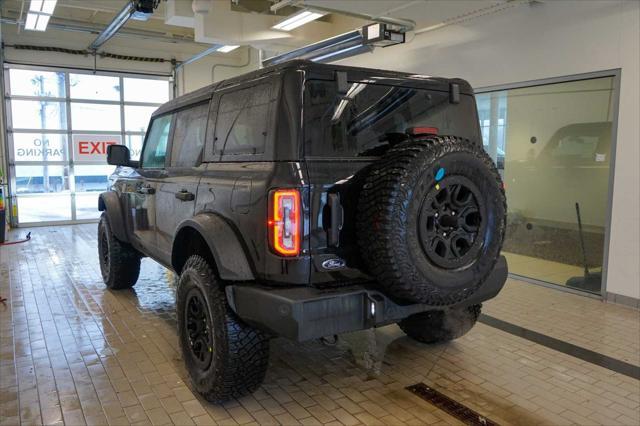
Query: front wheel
[(440, 326), (119, 262), (225, 357)]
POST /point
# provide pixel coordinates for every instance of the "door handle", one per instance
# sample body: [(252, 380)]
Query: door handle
[(146, 190), (185, 195)]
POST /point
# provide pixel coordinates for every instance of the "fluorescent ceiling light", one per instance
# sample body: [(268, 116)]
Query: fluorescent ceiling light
[(43, 20), (297, 20), (40, 12), (227, 48), (35, 5), (44, 6), (48, 6), (36, 21), (32, 20)]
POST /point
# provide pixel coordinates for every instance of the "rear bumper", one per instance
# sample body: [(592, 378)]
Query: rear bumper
[(304, 313)]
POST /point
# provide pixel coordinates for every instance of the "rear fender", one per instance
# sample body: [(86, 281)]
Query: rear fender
[(109, 202), (224, 245)]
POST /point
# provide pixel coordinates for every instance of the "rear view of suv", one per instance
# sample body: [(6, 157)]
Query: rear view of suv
[(307, 200)]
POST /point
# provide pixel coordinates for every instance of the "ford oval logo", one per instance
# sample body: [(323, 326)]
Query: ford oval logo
[(333, 263)]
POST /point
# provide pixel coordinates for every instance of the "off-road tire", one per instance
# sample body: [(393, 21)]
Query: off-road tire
[(239, 353), (440, 326), (119, 262), (390, 205)]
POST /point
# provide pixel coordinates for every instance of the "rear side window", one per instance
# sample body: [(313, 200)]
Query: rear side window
[(188, 138), (363, 121), (155, 147), (243, 116)]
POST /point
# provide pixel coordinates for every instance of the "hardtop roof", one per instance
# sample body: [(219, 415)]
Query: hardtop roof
[(318, 71)]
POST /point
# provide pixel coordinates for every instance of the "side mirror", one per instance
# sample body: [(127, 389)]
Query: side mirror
[(119, 155)]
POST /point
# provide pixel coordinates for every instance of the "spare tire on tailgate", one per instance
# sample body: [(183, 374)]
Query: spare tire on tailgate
[(431, 220)]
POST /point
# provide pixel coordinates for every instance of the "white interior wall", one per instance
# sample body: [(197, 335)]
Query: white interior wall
[(544, 40)]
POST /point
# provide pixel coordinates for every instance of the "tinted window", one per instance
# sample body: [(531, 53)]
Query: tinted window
[(363, 121), (576, 147), (155, 148), (241, 127), (188, 138)]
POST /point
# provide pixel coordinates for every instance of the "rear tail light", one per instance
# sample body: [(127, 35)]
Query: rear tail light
[(285, 221)]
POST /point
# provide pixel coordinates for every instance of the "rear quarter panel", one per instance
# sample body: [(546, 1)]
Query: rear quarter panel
[(238, 191)]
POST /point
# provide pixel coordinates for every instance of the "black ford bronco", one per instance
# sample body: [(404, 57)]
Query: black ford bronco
[(307, 200)]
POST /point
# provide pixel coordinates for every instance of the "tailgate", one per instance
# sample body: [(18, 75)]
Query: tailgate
[(333, 204)]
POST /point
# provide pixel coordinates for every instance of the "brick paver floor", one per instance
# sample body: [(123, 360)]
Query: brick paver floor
[(72, 352)]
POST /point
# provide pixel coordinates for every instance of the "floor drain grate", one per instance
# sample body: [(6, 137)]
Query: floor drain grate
[(449, 406)]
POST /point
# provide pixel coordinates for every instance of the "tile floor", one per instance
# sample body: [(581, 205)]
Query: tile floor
[(73, 353), (544, 270)]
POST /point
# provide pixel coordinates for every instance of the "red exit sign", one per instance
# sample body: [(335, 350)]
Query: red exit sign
[(91, 147)]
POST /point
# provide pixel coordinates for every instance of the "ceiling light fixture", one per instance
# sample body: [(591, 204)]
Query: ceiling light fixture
[(43, 20), (297, 20), (40, 12), (227, 48)]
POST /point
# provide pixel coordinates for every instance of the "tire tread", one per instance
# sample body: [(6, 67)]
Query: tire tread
[(383, 203), (241, 354), (124, 261)]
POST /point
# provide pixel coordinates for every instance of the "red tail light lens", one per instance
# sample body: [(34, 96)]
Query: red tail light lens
[(285, 220), (415, 131)]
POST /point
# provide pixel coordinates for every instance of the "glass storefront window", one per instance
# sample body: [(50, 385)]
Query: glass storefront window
[(144, 90), (554, 143), (37, 83), (136, 118), (38, 115), (41, 179), (134, 142), (40, 147), (88, 116), (97, 87), (86, 205), (48, 182), (94, 178), (44, 208)]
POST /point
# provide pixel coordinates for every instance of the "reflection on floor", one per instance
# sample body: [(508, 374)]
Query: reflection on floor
[(544, 270), (72, 352)]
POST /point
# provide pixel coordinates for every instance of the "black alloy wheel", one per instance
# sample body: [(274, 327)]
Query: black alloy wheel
[(450, 222), (198, 323), (119, 261), (103, 250)]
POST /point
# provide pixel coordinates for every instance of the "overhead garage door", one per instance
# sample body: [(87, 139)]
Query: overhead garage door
[(59, 124)]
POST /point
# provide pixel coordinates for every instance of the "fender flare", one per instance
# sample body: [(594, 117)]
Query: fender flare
[(224, 244), (110, 202)]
